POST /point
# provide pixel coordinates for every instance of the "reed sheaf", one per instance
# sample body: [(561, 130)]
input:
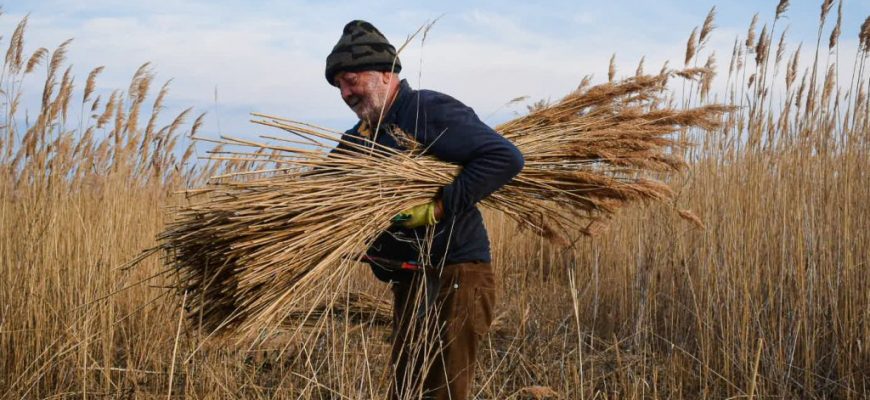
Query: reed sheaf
[(253, 245)]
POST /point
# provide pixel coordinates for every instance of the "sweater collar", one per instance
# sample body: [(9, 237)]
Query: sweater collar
[(401, 97)]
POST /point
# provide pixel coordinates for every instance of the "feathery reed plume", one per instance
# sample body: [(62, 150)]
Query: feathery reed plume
[(137, 89), (665, 73), (707, 27), (118, 131), (91, 83), (191, 148), (826, 8), (611, 69), (249, 227), (197, 124), (801, 89), (15, 51), (166, 140), (35, 59), (139, 86), (791, 71), (155, 112), (781, 8), (761, 48), (639, 70), (101, 154), (734, 55), (109, 110), (178, 121), (864, 35), (85, 142), (691, 46), (690, 216), (694, 74), (13, 107), (835, 34), (750, 34), (57, 58), (168, 157), (828, 87), (65, 93), (148, 138), (780, 48), (664, 70), (707, 80), (94, 106)]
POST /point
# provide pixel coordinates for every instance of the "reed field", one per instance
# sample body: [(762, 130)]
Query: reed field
[(745, 276)]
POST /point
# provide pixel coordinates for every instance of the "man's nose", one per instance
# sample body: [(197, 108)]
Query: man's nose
[(345, 92)]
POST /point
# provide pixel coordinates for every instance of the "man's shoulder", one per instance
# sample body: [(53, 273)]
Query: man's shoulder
[(428, 95), (435, 103)]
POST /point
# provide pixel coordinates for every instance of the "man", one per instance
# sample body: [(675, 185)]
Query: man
[(442, 310)]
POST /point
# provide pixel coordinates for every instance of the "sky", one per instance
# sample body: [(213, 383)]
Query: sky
[(231, 58)]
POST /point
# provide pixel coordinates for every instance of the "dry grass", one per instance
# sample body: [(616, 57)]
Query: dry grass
[(769, 300)]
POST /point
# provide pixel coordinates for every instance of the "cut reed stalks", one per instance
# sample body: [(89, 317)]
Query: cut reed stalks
[(255, 243)]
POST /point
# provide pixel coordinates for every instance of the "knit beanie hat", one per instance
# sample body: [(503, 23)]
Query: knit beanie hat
[(362, 47)]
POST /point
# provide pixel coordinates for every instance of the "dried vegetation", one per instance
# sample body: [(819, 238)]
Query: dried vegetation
[(761, 291)]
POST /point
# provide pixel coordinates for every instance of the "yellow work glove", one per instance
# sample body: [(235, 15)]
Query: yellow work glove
[(417, 216)]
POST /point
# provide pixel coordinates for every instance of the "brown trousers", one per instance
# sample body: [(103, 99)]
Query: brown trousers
[(435, 342)]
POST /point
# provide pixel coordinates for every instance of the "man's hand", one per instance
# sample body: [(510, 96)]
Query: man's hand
[(420, 215)]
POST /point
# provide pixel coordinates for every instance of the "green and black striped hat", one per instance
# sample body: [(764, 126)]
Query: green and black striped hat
[(362, 47)]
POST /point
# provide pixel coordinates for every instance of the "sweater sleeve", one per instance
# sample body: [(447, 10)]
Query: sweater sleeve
[(452, 132)]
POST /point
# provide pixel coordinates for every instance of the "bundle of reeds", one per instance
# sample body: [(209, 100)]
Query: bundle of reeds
[(253, 245)]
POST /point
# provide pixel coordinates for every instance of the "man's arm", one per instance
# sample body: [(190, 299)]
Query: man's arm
[(452, 132)]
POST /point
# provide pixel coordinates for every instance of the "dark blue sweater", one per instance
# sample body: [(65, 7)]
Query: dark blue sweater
[(451, 132)]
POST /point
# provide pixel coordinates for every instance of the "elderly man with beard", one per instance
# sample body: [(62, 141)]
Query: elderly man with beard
[(442, 309)]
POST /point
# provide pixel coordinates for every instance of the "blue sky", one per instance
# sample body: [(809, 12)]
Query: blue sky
[(231, 58)]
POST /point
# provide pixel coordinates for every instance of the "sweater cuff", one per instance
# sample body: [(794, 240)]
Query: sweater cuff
[(446, 196)]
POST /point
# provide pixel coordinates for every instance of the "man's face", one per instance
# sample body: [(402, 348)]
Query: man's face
[(364, 92)]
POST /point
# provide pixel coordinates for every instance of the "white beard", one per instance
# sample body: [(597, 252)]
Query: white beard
[(369, 108)]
